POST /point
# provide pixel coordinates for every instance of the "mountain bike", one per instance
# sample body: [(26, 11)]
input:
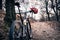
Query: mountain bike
[(24, 31)]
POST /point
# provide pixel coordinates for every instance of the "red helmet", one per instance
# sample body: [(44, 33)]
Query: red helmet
[(35, 10)]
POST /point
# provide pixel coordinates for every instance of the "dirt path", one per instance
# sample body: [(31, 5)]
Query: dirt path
[(49, 30), (46, 30)]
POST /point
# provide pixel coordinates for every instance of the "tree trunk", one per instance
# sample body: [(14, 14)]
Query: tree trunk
[(0, 4), (10, 11), (56, 11), (47, 9)]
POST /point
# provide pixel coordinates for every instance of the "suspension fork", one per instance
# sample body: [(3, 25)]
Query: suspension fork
[(29, 24), (28, 27)]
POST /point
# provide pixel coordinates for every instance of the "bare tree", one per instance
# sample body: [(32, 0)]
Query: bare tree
[(55, 8), (47, 9)]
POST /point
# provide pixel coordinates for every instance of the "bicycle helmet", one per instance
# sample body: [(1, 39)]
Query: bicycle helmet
[(35, 10)]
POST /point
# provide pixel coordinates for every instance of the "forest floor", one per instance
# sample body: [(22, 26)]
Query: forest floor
[(47, 30)]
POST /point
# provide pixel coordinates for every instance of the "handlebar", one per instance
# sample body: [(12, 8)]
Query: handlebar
[(33, 9)]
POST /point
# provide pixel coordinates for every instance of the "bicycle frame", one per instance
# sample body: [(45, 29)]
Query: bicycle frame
[(27, 26), (27, 19)]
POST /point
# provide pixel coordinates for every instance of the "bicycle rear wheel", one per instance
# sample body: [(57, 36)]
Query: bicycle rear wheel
[(16, 34)]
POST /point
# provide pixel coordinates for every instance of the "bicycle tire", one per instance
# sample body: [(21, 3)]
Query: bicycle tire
[(12, 30)]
